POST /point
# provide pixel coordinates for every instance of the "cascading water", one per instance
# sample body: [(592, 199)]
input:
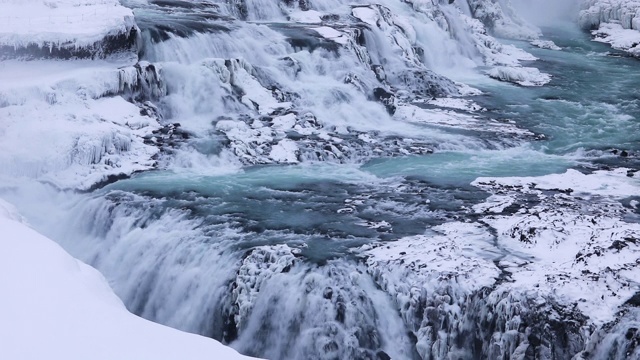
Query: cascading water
[(313, 195)]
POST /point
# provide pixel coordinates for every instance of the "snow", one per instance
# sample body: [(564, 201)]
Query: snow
[(616, 22), (366, 15), (331, 34), (455, 248), (56, 307), (545, 44), (524, 76), (306, 17), (614, 183), (76, 137), (284, 122), (572, 244), (536, 249), (456, 103), (69, 22), (451, 119), (284, 152), (596, 12), (618, 37)]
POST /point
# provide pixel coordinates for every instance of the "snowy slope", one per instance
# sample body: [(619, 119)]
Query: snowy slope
[(55, 307)]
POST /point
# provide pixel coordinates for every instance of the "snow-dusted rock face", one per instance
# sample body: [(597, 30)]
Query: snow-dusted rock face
[(65, 29), (616, 22), (45, 288), (557, 248)]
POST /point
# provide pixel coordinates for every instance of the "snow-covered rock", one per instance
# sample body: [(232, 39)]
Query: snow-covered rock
[(66, 29), (616, 22), (549, 270), (75, 312), (525, 76), (568, 235), (61, 123), (545, 44), (618, 37)]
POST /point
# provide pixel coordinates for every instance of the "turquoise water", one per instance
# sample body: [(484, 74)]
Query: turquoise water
[(590, 109), (592, 102)]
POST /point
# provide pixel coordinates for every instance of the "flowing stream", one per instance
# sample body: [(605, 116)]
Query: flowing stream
[(264, 257)]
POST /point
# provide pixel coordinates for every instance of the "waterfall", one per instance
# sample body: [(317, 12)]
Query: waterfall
[(309, 179)]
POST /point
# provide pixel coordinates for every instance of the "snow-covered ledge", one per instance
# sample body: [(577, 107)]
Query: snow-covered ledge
[(65, 29), (56, 307), (615, 22)]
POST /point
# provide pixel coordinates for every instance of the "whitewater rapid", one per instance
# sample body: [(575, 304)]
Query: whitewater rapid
[(327, 180)]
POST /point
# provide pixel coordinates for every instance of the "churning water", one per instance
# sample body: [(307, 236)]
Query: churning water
[(261, 256)]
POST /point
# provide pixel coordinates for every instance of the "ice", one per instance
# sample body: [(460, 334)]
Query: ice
[(284, 152), (331, 34), (555, 245), (456, 103), (603, 183), (454, 248), (596, 12), (307, 17), (449, 118), (576, 249), (616, 22), (619, 38), (545, 44), (89, 134), (62, 23), (524, 76), (336, 82), (366, 15)]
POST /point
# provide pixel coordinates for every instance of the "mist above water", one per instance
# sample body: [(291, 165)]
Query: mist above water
[(547, 12)]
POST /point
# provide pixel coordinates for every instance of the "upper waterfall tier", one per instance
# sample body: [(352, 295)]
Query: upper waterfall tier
[(283, 82)]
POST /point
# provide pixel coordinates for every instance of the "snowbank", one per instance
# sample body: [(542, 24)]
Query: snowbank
[(55, 307), (545, 44)]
